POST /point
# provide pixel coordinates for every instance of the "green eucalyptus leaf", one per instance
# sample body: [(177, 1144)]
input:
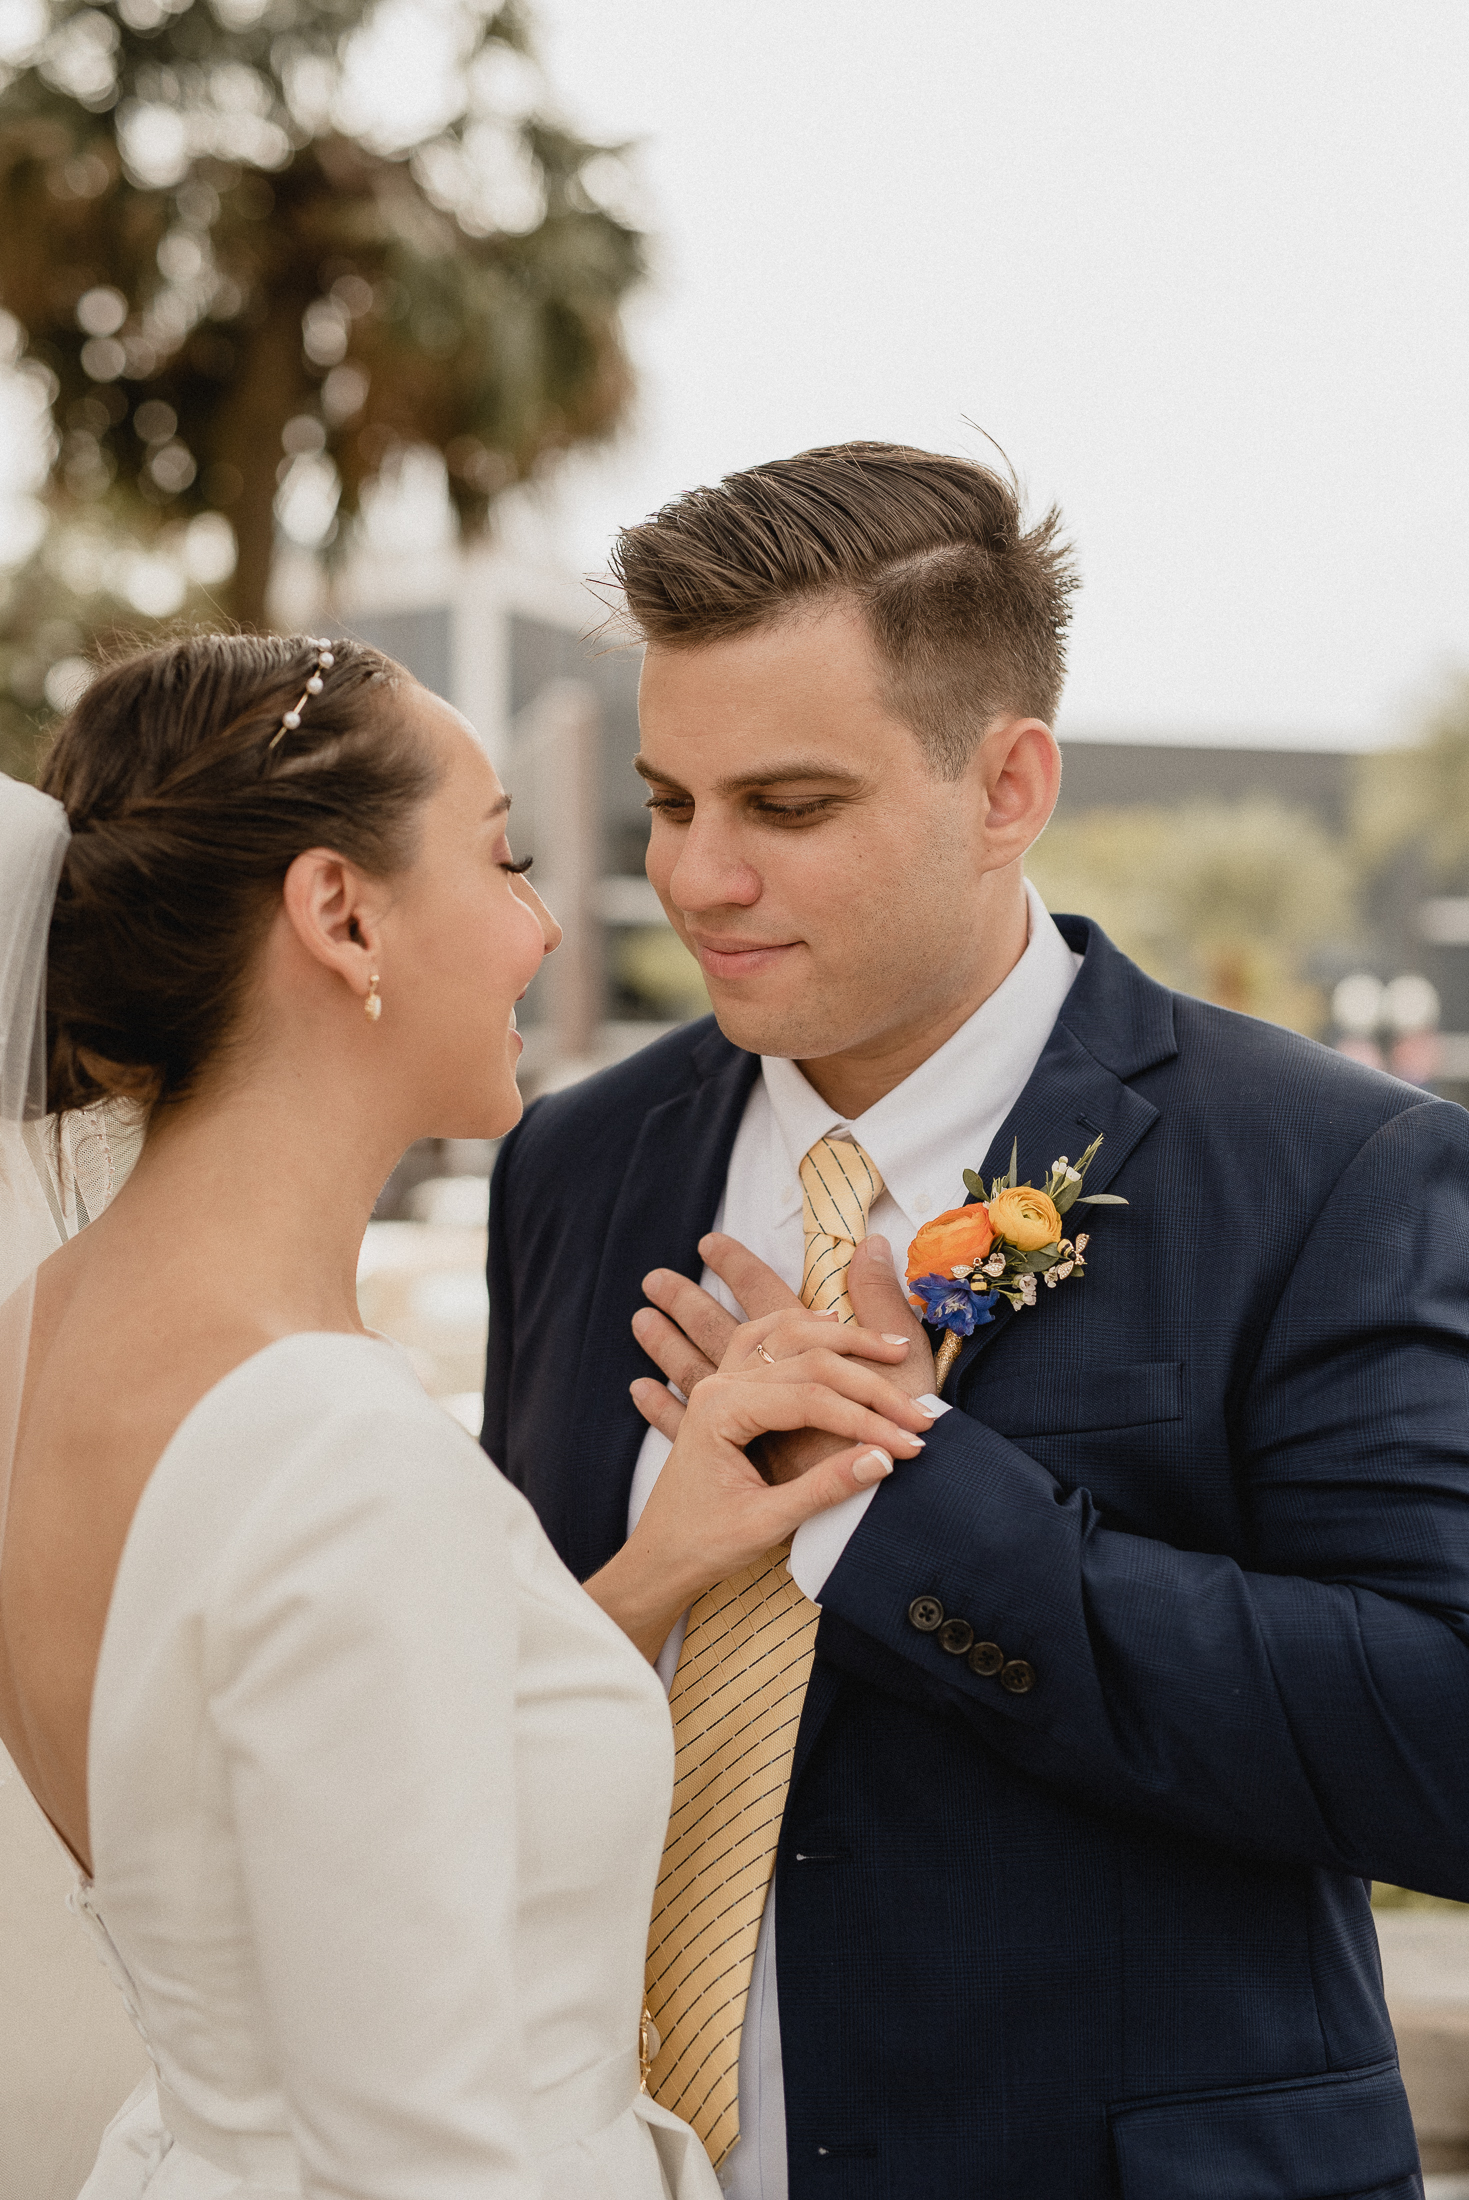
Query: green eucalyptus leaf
[(1086, 1160), (1102, 1199), (974, 1182)]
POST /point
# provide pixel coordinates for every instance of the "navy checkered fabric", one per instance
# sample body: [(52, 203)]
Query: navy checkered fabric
[(1096, 1922)]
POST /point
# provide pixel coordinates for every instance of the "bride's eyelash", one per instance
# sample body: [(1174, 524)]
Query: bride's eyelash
[(518, 870)]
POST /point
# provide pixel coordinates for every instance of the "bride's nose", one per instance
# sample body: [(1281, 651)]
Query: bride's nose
[(550, 930)]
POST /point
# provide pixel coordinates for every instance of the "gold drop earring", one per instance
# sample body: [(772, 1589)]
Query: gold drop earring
[(372, 1007)]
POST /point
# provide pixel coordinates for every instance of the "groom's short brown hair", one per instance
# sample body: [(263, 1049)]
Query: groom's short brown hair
[(969, 610)]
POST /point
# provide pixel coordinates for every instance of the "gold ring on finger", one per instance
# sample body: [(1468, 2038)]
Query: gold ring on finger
[(762, 1354)]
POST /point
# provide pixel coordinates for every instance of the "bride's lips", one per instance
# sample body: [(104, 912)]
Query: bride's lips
[(734, 958)]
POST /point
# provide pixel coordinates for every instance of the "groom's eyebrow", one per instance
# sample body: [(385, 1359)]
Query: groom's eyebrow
[(800, 768)]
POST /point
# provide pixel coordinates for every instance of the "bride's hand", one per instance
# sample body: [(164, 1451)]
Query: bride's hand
[(688, 1333), (710, 1512)]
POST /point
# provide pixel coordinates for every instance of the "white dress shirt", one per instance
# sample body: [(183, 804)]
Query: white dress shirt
[(920, 1137)]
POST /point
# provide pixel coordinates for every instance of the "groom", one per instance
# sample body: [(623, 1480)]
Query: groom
[(1036, 1867)]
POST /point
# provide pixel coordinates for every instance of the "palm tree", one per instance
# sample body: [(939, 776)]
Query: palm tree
[(223, 272)]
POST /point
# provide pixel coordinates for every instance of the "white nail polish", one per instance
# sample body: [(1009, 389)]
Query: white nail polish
[(890, 1336), (871, 1467)]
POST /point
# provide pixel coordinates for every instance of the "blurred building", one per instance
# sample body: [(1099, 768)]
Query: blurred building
[(1403, 983), (1128, 774)]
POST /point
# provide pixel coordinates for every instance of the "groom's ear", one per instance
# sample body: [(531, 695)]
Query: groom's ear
[(1017, 767)]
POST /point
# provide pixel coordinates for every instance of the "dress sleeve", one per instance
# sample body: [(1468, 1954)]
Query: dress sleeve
[(361, 1670)]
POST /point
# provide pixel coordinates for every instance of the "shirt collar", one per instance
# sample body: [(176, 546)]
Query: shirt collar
[(942, 1118)]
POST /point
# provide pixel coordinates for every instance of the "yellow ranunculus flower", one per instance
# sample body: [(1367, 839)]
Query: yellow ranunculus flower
[(1026, 1217)]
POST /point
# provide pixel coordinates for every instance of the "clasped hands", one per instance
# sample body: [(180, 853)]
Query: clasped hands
[(689, 1334), (784, 1415)]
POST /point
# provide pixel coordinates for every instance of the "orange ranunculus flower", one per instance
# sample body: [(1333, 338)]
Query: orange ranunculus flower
[(1025, 1217), (959, 1238)]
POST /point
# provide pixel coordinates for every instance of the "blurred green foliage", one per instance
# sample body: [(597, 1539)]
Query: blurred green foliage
[(92, 586), (1227, 900), (651, 963), (1419, 796), (225, 278)]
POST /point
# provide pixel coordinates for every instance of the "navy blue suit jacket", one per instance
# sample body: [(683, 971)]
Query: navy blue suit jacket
[(1109, 1936)]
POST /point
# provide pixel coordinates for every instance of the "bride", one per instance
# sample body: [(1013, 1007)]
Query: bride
[(364, 1794)]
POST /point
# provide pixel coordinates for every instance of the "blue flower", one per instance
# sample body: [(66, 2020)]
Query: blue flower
[(950, 1305)]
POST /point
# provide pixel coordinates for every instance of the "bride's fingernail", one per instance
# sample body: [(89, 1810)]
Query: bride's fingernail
[(890, 1336), (880, 1249), (871, 1467), (923, 1406)]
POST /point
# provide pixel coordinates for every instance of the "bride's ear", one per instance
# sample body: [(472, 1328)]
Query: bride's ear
[(335, 912)]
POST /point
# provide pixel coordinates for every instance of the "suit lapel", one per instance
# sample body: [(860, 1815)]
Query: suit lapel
[(1115, 1023), (1070, 1097), (668, 1199)]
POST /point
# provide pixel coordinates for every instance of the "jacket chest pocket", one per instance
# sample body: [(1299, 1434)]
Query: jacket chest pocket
[(1039, 1403)]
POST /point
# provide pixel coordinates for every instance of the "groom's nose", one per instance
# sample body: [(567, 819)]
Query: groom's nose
[(709, 872)]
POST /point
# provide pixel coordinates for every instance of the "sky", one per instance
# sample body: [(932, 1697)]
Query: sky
[(1201, 273)]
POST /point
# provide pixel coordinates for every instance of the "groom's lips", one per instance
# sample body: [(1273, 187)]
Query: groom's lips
[(740, 958)]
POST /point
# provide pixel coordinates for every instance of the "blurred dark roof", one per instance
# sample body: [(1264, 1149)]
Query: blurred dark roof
[(1126, 774)]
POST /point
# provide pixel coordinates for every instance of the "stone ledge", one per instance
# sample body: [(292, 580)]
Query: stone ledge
[(1425, 1966), (1433, 2049)]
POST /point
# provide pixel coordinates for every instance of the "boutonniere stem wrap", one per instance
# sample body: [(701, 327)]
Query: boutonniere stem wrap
[(1004, 1247)]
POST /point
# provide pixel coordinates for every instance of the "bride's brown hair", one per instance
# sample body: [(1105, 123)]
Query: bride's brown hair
[(186, 813)]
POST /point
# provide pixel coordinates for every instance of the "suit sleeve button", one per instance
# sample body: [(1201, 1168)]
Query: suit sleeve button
[(925, 1613), (985, 1659), (955, 1636), (1018, 1676)]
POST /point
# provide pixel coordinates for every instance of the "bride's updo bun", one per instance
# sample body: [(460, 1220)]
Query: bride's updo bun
[(185, 819)]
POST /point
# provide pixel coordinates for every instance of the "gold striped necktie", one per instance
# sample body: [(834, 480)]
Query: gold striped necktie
[(736, 1704), (838, 1187)]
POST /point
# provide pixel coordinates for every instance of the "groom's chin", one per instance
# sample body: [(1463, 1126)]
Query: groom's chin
[(770, 1029)]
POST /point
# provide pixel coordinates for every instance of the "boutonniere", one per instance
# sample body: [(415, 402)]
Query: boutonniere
[(1002, 1247)]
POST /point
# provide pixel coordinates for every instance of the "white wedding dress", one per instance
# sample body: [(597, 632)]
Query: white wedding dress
[(377, 1799)]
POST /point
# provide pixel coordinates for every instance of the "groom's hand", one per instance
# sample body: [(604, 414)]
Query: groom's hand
[(689, 1333), (686, 1332)]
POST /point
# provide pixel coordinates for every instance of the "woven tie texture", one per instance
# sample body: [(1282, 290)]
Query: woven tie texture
[(736, 1704), (838, 1187)]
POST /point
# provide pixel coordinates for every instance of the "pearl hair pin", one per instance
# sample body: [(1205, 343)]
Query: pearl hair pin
[(292, 719)]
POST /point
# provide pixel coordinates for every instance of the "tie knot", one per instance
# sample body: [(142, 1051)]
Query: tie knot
[(840, 1184)]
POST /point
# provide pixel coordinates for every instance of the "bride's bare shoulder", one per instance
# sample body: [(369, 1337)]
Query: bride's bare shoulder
[(118, 1358)]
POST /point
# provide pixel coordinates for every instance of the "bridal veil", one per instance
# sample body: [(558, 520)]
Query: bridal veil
[(68, 2055)]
